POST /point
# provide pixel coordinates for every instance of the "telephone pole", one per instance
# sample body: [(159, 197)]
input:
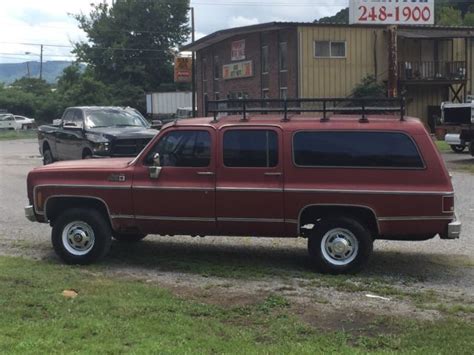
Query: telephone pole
[(41, 63), (193, 61)]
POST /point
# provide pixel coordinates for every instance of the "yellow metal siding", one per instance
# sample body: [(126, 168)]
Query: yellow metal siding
[(336, 77), (420, 97)]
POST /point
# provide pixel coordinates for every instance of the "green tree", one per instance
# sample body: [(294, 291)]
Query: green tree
[(469, 19), (76, 88), (32, 85), (449, 16), (133, 41), (341, 17), (369, 87)]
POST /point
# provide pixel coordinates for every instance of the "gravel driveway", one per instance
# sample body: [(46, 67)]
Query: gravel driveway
[(444, 266)]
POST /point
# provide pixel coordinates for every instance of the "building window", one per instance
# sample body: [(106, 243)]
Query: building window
[(216, 96), (283, 56), (330, 49), (265, 60), (216, 68), (265, 94), (250, 148), (283, 93), (356, 149)]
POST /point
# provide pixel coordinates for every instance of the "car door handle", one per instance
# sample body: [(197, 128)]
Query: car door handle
[(205, 173), (272, 174)]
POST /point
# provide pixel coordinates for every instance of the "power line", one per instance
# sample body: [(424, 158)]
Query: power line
[(98, 48), (269, 5)]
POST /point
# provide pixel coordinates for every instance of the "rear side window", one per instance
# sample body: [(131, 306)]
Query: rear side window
[(251, 148), (356, 149)]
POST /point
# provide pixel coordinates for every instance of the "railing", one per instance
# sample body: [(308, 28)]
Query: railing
[(362, 106), (432, 71)]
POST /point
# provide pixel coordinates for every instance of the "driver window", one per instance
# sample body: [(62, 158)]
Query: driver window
[(68, 117), (183, 149), (78, 118)]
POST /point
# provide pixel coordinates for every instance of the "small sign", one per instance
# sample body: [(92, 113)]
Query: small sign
[(238, 50), (183, 69), (392, 12), (238, 70)]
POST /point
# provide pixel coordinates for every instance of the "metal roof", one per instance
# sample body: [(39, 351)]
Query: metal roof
[(435, 33), (406, 31)]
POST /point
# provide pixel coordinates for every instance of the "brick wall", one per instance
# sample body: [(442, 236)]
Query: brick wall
[(253, 86)]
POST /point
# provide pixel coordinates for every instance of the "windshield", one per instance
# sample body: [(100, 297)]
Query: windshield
[(114, 118)]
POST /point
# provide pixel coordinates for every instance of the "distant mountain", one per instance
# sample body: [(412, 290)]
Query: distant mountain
[(9, 72)]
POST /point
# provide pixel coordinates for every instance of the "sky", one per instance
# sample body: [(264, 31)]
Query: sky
[(24, 23)]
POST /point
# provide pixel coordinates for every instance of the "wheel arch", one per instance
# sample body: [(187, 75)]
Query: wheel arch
[(309, 214), (58, 203), (86, 152)]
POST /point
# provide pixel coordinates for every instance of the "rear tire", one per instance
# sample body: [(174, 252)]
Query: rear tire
[(47, 157), (81, 236), (128, 238), (87, 154), (471, 148), (458, 148), (339, 245)]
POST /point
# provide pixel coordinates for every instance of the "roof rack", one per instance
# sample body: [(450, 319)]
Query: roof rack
[(362, 106)]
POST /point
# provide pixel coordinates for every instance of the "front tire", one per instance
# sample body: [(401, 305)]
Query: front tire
[(48, 157), (458, 148), (81, 236), (339, 245)]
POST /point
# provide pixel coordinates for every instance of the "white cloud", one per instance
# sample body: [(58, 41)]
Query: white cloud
[(48, 21), (239, 21)]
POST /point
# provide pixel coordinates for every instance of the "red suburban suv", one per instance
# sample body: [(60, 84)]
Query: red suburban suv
[(342, 182)]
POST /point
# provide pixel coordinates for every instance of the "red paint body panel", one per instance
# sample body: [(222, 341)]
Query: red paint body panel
[(257, 201)]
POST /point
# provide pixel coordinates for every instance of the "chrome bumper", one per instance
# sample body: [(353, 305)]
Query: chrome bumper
[(30, 213), (454, 229)]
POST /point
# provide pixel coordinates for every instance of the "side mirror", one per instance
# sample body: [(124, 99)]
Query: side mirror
[(155, 169), (156, 124)]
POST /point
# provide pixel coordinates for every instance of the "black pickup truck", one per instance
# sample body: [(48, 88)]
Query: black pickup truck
[(93, 132)]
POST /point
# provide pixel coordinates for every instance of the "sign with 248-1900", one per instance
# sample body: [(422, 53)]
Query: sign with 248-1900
[(389, 12)]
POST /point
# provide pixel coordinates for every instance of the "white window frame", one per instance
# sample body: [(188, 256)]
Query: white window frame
[(330, 50)]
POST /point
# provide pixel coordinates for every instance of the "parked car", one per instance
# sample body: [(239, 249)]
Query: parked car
[(94, 132), (455, 142), (184, 112), (24, 122), (342, 182), (7, 121), (460, 115)]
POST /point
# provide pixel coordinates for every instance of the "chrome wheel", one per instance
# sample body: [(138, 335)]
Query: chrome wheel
[(339, 246), (78, 238)]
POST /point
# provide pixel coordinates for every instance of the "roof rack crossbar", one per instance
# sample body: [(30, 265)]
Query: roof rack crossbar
[(362, 106)]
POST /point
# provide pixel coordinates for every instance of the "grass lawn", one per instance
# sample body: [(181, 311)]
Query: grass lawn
[(23, 134), (443, 146), (112, 315)]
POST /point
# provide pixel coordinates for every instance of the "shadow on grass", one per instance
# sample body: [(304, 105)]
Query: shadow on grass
[(254, 262)]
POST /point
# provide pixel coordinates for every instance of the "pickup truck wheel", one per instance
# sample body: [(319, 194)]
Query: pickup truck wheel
[(128, 238), (458, 148), (87, 154), (81, 236), (339, 245), (47, 157)]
